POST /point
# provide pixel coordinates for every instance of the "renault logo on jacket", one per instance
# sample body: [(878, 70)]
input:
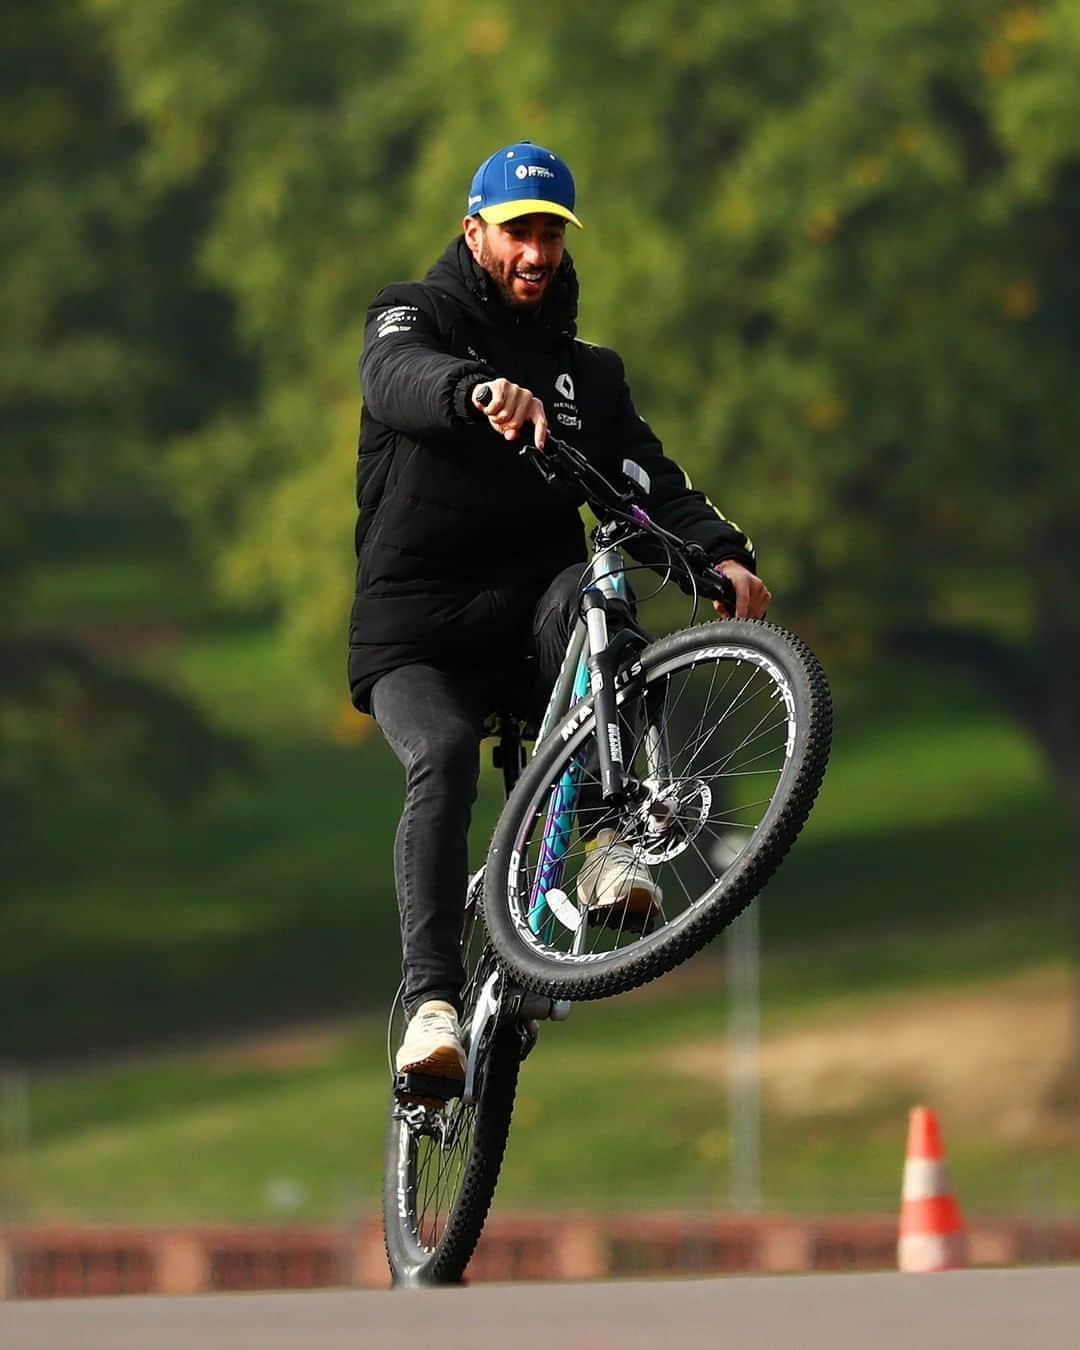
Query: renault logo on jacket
[(565, 386)]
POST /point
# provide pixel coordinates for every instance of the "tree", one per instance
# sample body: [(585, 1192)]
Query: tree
[(107, 332), (903, 242)]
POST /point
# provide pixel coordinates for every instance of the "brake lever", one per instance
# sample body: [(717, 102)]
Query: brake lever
[(544, 467)]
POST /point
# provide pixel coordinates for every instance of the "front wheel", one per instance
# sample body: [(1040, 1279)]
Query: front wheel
[(725, 732)]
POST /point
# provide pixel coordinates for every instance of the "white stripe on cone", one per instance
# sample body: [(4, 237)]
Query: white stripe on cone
[(922, 1252), (924, 1177)]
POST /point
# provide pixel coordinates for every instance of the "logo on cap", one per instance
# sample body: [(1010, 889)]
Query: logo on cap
[(532, 171)]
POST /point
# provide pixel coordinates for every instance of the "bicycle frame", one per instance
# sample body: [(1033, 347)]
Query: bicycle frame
[(584, 668)]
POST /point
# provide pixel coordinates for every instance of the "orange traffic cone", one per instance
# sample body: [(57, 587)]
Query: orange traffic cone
[(931, 1225)]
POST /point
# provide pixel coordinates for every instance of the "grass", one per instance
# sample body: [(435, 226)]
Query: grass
[(258, 906), (607, 1116), (273, 899), (127, 562)]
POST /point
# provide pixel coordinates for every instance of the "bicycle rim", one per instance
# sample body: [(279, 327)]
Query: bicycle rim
[(745, 714)]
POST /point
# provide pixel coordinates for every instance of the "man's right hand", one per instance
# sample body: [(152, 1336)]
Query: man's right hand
[(752, 596), (509, 408)]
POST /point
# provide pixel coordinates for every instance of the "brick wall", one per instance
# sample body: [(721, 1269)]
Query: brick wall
[(55, 1261)]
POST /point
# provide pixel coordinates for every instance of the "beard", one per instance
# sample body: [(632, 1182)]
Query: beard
[(502, 273)]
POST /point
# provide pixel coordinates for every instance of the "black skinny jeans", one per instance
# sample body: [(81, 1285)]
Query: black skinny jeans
[(432, 717)]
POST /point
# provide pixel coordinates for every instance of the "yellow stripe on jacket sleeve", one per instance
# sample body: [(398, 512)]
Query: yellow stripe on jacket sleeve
[(713, 507)]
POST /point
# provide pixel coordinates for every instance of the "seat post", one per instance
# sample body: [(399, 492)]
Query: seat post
[(508, 752), (511, 753)]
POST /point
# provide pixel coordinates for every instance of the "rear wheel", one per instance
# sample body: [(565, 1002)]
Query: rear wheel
[(441, 1171), (725, 738), (442, 1160)]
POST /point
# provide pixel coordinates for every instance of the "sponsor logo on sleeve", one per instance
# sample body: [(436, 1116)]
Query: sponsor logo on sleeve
[(399, 319)]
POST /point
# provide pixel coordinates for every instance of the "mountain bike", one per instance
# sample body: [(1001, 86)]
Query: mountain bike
[(698, 755)]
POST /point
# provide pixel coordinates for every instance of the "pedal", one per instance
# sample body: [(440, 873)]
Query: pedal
[(427, 1088), (528, 1034)]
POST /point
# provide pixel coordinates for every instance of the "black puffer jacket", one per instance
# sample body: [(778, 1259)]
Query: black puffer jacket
[(457, 535)]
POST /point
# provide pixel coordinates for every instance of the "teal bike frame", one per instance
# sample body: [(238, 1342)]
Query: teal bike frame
[(606, 574)]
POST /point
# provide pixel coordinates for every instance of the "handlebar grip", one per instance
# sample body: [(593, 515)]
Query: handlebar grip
[(482, 396), (716, 586)]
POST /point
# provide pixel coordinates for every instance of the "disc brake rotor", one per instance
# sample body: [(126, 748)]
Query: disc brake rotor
[(687, 810)]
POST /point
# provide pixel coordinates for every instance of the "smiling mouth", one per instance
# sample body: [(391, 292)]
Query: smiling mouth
[(531, 278)]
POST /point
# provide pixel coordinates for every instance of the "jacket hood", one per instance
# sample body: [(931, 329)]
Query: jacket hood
[(459, 274)]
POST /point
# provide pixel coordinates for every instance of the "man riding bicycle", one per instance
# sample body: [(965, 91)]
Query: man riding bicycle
[(468, 565)]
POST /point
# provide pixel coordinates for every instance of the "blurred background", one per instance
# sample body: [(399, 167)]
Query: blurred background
[(838, 244)]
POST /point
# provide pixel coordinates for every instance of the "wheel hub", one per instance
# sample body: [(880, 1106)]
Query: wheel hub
[(672, 817)]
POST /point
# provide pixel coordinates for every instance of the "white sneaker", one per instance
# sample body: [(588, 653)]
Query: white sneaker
[(432, 1042), (615, 875)]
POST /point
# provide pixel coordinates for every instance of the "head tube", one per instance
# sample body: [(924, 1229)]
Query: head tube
[(606, 570)]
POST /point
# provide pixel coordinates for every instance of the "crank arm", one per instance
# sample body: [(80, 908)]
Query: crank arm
[(485, 1016)]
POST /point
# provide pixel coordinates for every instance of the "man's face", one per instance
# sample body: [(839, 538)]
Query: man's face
[(521, 256)]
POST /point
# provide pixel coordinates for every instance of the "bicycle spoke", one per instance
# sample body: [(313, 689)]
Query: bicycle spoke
[(716, 727), (734, 706), (439, 1167), (708, 696), (749, 740)]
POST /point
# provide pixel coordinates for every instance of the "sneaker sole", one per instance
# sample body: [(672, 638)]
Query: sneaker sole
[(641, 900), (443, 1062)]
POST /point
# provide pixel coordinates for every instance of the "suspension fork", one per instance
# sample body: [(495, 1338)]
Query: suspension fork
[(602, 662), (656, 744)]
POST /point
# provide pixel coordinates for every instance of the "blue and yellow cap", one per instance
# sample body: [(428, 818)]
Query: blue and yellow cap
[(520, 179)]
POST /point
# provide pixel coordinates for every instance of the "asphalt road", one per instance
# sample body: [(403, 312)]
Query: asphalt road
[(1031, 1309)]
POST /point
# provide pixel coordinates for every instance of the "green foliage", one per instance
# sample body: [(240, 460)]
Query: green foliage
[(307, 114), (110, 332), (836, 243), (112, 346)]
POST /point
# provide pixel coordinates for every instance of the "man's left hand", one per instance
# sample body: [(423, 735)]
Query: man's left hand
[(752, 596)]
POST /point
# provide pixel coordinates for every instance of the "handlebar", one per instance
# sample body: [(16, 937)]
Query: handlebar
[(559, 461)]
